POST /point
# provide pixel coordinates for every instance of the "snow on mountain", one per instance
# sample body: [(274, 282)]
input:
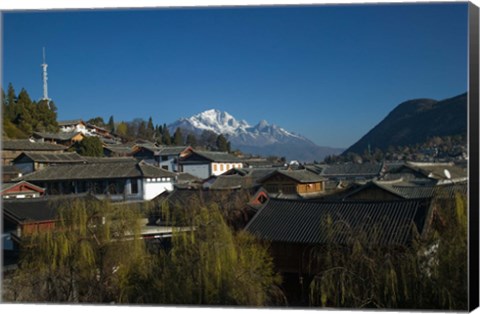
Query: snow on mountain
[(217, 121), (257, 139)]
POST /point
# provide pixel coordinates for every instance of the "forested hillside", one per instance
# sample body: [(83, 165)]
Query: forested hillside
[(22, 116)]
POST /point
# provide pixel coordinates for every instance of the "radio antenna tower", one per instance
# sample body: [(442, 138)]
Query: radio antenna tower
[(44, 65)]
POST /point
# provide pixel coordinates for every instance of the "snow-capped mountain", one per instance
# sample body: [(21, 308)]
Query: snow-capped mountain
[(263, 138)]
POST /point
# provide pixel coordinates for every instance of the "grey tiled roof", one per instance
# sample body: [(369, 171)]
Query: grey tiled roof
[(436, 171), (187, 177), (218, 156), (98, 170), (415, 189), (109, 159), (119, 148), (258, 173), (170, 150), (350, 169), (53, 157), (62, 136), (302, 176), (41, 209), (232, 182), (27, 145), (378, 223), (148, 146), (7, 169), (436, 191)]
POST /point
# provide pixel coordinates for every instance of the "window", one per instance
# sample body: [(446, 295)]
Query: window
[(165, 167), (134, 186), (214, 167)]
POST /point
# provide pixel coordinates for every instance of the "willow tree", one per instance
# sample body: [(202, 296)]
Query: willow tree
[(210, 264), (92, 255), (431, 273)]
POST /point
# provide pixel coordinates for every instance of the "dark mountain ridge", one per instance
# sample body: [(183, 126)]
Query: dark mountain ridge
[(415, 121)]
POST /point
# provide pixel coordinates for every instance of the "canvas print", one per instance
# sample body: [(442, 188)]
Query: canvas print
[(280, 156)]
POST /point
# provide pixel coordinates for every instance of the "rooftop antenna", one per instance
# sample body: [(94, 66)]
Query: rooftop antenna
[(45, 78)]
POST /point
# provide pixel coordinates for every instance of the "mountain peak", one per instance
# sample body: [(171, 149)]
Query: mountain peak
[(263, 138), (215, 120), (262, 124)]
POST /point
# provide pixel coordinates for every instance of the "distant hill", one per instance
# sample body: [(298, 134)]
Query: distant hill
[(262, 139), (415, 121)]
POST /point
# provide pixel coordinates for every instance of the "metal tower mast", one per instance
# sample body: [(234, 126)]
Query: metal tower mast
[(45, 78)]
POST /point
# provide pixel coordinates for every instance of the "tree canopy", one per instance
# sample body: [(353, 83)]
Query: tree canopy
[(22, 116)]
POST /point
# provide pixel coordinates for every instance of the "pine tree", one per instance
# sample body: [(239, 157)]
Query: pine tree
[(158, 134), (11, 101), (222, 143), (178, 137), (191, 140), (111, 125), (90, 146), (142, 130), (150, 131), (167, 139)]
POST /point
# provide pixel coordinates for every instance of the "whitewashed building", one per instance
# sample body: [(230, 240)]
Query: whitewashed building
[(204, 164), (118, 179)]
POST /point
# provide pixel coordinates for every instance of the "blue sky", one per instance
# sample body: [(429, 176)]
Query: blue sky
[(328, 72)]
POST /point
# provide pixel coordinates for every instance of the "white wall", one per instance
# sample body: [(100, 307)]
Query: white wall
[(152, 187), (224, 167)]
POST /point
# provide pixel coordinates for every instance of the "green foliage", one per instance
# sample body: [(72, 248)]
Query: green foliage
[(166, 138), (178, 137), (222, 144), (150, 129), (94, 255), (86, 258), (89, 146), (430, 274), (229, 268), (97, 121), (11, 131), (22, 116), (191, 140), (111, 124), (122, 129)]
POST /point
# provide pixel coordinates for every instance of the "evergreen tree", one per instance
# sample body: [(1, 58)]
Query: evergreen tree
[(178, 137), (150, 130), (111, 125), (46, 117), (158, 134), (90, 146), (97, 121), (167, 140), (25, 112), (191, 140), (208, 139), (142, 130), (11, 101), (222, 143), (4, 103)]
